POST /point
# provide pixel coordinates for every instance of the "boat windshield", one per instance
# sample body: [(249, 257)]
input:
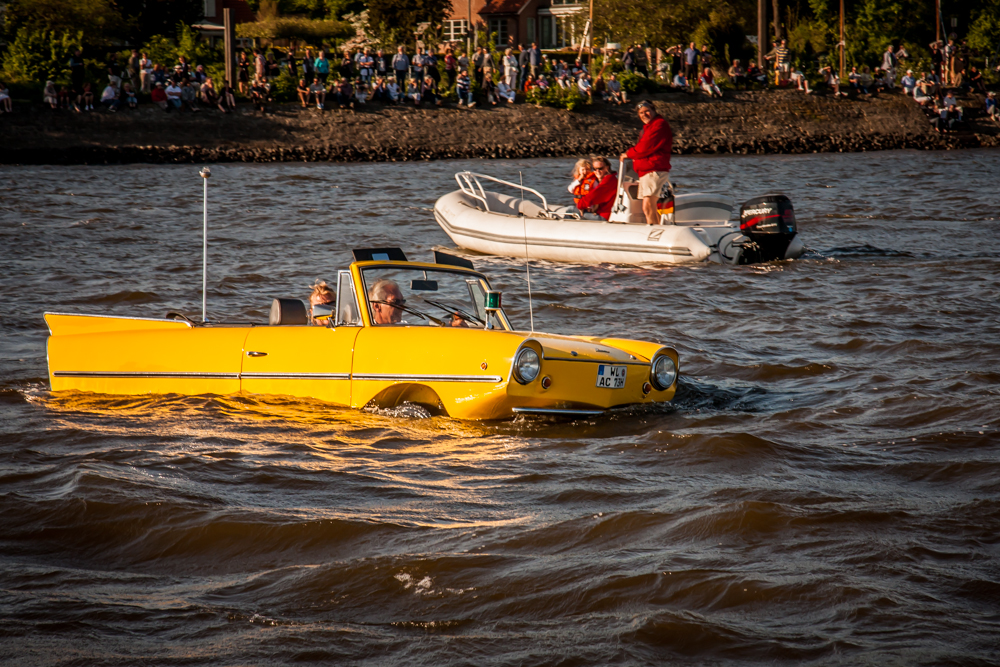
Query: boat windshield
[(400, 296)]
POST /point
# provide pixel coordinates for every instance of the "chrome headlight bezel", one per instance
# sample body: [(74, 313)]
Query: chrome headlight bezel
[(662, 369), (525, 375)]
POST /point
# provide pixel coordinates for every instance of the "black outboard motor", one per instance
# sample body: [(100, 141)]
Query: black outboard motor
[(768, 222)]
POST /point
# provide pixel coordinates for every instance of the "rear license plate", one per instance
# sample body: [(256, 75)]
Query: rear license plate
[(611, 377)]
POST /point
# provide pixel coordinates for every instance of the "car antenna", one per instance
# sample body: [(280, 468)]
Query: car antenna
[(205, 173), (527, 264)]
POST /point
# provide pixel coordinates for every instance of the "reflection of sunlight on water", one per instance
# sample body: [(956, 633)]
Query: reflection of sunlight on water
[(272, 420)]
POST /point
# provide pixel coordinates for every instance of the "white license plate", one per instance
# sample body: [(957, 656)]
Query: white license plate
[(611, 377)]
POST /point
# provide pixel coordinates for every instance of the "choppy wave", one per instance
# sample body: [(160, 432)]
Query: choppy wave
[(822, 489)]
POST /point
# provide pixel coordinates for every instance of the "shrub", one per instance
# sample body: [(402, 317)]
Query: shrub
[(560, 98), (284, 87), (634, 83), (37, 55)]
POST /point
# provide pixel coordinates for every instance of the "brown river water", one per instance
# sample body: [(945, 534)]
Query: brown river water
[(825, 488)]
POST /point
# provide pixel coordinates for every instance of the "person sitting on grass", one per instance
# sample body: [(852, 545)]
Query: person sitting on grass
[(428, 92), (303, 92), (489, 88), (738, 75), (344, 92), (463, 88), (909, 83), (707, 83), (65, 98), (317, 92), (227, 98), (6, 105), (616, 94), (865, 80), (413, 92), (173, 96), (505, 92), (680, 82), (208, 94), (361, 92), (542, 83), (755, 75), (800, 81), (159, 96), (378, 91), (128, 96), (584, 86), (393, 91), (189, 96), (925, 90), (260, 94), (529, 83), (50, 95), (992, 111), (831, 80)]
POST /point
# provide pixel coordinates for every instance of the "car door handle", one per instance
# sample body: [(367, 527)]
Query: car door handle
[(251, 353)]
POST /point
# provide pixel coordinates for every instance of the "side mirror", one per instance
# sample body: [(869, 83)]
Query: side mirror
[(322, 312), (493, 302)]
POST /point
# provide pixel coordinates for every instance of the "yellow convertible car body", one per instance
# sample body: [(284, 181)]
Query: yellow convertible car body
[(432, 334)]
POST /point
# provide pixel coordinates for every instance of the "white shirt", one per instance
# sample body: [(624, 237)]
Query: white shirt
[(173, 91), (108, 94)]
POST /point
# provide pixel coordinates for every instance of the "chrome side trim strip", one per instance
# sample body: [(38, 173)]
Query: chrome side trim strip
[(128, 375), (119, 317), (494, 379), (296, 376), (610, 362), (557, 411)]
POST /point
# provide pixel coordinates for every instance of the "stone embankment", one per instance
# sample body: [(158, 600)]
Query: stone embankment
[(743, 123)]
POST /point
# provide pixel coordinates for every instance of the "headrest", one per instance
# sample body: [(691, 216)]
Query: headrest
[(288, 311)]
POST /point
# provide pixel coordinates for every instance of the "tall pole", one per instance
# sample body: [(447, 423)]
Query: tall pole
[(205, 173), (841, 74), (468, 36), (761, 31), (937, 20), (590, 40), (229, 39)]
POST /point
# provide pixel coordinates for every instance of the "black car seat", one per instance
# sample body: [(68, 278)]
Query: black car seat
[(288, 311)]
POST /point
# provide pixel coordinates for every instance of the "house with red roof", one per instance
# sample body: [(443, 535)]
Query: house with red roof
[(552, 24)]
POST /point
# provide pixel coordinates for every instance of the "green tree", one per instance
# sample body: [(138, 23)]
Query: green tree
[(187, 43), (37, 55), (100, 21), (984, 33), (404, 15), (146, 18)]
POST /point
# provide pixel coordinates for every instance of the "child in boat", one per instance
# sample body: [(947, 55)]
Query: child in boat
[(584, 180)]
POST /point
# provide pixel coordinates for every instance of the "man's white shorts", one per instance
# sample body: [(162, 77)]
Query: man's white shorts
[(651, 184)]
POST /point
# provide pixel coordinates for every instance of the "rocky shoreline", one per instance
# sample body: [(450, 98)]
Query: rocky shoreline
[(785, 122)]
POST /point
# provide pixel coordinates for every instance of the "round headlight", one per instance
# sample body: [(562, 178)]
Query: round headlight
[(664, 372), (526, 365)]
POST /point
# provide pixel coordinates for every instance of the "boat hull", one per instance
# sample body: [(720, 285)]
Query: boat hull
[(582, 241)]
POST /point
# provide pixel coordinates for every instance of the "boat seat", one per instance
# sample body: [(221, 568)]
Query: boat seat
[(288, 312)]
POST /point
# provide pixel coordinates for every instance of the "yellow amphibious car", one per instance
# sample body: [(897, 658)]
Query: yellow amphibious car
[(433, 334)]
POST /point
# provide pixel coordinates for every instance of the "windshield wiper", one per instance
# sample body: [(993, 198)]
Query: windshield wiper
[(451, 309), (411, 311)]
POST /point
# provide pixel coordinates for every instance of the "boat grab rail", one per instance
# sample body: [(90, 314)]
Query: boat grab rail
[(468, 181)]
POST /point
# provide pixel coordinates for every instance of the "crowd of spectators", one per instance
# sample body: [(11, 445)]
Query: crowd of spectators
[(356, 77)]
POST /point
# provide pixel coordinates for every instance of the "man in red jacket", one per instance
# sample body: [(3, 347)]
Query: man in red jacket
[(601, 198), (651, 158)]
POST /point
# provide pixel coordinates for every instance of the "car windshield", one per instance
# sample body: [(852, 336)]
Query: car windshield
[(399, 296)]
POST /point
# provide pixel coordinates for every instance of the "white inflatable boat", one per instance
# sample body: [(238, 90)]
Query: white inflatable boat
[(694, 227)]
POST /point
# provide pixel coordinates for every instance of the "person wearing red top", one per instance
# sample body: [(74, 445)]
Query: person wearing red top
[(651, 158), (602, 197)]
